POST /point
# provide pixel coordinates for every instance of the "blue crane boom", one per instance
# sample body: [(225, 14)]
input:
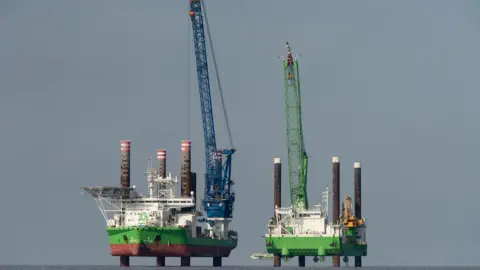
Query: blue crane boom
[(218, 197)]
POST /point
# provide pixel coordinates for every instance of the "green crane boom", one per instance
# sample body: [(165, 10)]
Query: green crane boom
[(297, 156)]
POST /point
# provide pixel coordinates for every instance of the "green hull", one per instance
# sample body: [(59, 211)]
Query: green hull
[(165, 241), (312, 246)]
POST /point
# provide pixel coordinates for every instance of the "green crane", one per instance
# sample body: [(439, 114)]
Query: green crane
[(297, 156)]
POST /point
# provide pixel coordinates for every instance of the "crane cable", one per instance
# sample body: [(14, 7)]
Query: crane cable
[(217, 77), (189, 87)]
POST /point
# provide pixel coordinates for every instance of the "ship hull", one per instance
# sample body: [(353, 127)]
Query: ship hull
[(150, 250), (312, 246), (165, 241)]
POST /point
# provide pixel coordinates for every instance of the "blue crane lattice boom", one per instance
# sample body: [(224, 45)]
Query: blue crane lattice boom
[(218, 197)]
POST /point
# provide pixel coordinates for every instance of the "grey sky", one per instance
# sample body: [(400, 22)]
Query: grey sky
[(391, 84)]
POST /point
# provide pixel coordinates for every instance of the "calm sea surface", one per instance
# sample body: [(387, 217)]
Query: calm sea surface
[(93, 267)]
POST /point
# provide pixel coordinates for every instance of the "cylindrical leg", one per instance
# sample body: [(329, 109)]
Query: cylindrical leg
[(160, 261), (301, 261), (217, 261), (125, 163), (185, 181), (357, 186), (336, 261), (125, 181), (358, 261), (277, 187), (357, 182), (277, 183), (125, 261), (162, 162), (336, 199), (184, 261), (277, 260)]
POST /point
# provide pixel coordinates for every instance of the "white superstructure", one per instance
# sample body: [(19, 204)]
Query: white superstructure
[(124, 207), (313, 222)]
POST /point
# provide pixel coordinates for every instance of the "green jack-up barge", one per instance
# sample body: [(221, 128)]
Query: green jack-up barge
[(298, 230)]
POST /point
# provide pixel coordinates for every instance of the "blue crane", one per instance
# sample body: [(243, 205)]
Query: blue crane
[(219, 196)]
